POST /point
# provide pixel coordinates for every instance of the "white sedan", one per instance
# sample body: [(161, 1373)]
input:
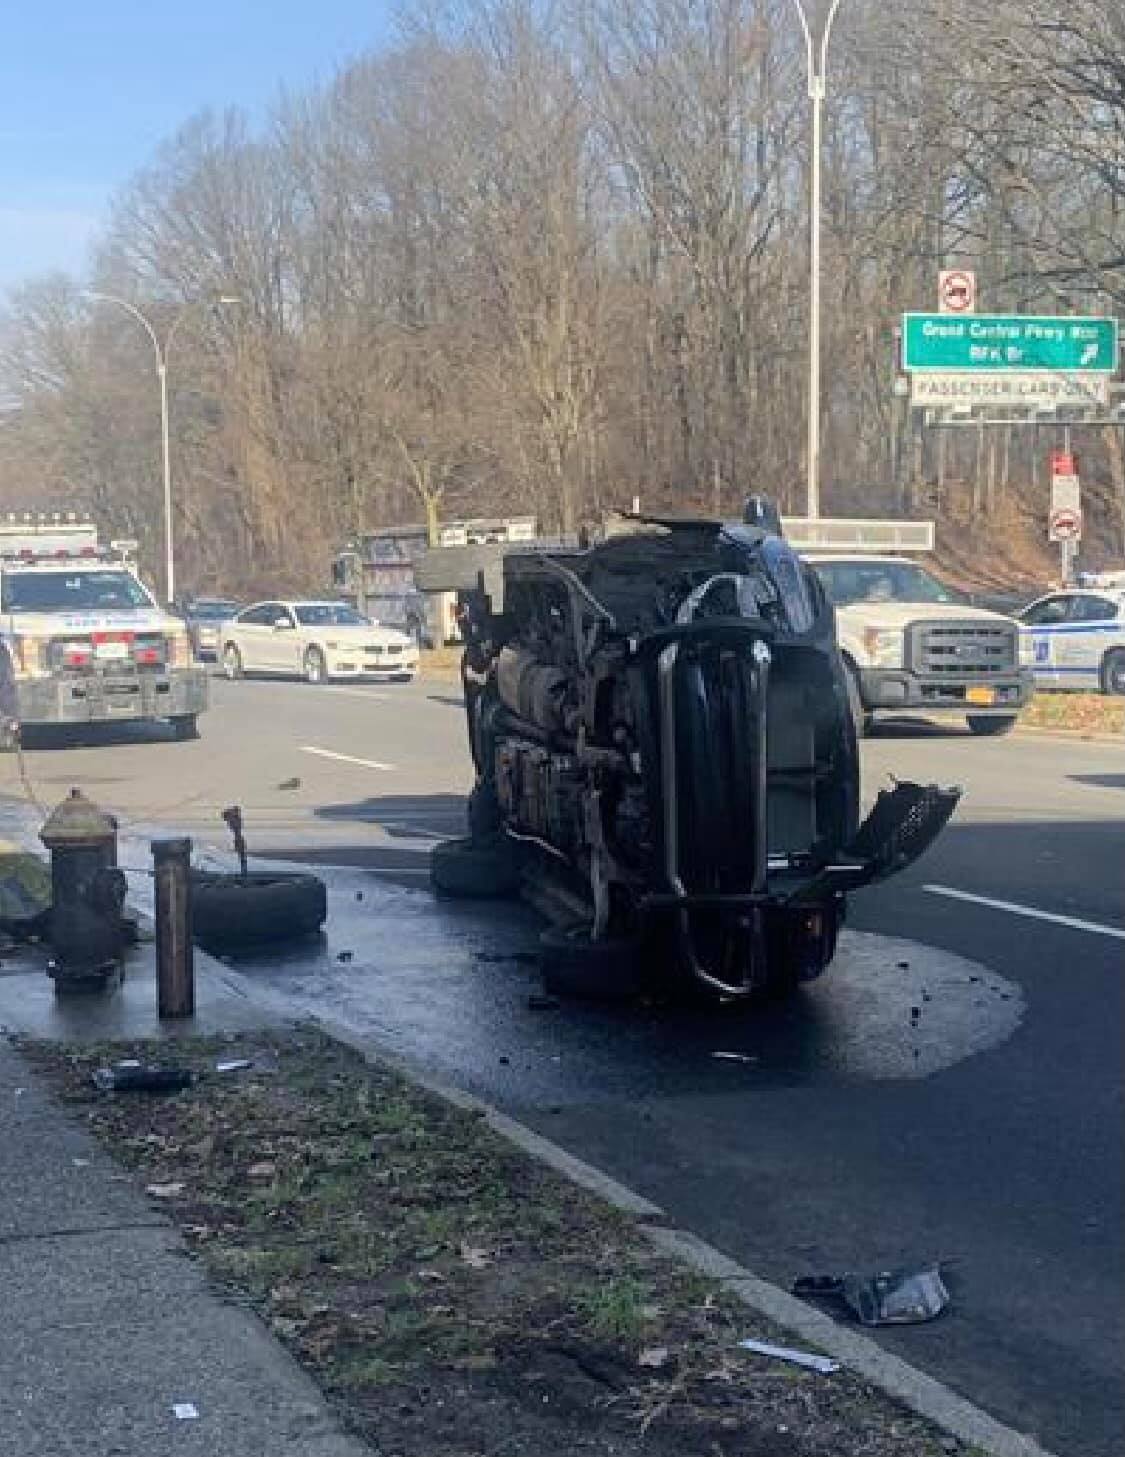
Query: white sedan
[(317, 641)]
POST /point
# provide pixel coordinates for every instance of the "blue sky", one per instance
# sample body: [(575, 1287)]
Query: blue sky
[(89, 87)]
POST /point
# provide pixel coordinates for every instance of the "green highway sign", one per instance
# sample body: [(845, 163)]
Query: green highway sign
[(1058, 343)]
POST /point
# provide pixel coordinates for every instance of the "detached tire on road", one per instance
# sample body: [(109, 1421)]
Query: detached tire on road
[(474, 869), (232, 912), (989, 727), (597, 971)]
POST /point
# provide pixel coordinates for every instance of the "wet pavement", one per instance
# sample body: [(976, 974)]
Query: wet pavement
[(951, 1089)]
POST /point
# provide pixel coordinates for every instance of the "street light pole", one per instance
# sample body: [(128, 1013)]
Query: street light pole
[(817, 59), (161, 353)]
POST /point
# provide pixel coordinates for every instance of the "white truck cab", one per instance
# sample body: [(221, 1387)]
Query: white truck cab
[(910, 643), (82, 640)]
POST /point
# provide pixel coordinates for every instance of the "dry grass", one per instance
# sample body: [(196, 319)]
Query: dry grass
[(451, 1296)]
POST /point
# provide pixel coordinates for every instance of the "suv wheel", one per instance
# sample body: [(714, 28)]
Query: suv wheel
[(1113, 673), (989, 726)]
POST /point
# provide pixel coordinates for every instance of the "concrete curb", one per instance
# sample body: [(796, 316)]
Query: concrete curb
[(922, 1394)]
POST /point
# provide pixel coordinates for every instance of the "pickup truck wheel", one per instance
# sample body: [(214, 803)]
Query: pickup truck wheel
[(474, 869), (315, 668), (185, 726), (230, 912), (1113, 673), (232, 662), (600, 971), (990, 727)]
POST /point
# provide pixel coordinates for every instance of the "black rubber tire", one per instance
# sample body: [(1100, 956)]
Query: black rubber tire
[(599, 971), (474, 869), (1113, 673), (230, 912), (314, 667), (184, 727), (989, 727), (232, 663)]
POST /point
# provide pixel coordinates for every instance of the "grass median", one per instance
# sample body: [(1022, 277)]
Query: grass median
[(451, 1296), (1091, 713)]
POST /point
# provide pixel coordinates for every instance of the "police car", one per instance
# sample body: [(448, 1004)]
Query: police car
[(1075, 639)]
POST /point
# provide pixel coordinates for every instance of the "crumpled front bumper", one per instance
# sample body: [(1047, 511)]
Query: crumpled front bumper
[(111, 697)]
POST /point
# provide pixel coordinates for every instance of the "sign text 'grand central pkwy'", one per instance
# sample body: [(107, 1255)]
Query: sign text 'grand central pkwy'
[(1009, 342)]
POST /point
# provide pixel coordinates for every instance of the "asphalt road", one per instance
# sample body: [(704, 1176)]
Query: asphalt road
[(950, 1090)]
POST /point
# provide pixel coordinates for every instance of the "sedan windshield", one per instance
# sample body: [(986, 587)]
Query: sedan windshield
[(330, 614), (72, 592), (866, 581)]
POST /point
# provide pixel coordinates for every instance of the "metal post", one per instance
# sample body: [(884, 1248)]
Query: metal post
[(169, 532), (816, 92), (175, 956), (817, 62)]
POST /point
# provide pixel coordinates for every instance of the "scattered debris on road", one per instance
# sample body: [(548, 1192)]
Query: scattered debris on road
[(892, 1297), (133, 1076), (824, 1364)]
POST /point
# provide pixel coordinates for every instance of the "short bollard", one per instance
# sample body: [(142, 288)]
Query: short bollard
[(175, 957)]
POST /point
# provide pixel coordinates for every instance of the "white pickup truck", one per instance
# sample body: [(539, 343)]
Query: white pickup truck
[(912, 644), (81, 638)]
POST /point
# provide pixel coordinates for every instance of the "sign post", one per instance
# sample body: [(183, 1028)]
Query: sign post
[(1064, 523)]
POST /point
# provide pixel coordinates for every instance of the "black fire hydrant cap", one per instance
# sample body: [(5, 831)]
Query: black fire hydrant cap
[(77, 822)]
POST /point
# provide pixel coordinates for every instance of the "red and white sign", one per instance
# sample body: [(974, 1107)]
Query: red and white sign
[(957, 291), (1065, 520)]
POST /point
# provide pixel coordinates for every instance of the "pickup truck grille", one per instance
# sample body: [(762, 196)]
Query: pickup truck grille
[(959, 650)]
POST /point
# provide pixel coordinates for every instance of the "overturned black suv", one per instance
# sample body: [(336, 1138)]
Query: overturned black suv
[(660, 729)]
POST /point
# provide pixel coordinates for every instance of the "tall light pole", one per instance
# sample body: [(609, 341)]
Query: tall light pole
[(816, 54), (161, 353)]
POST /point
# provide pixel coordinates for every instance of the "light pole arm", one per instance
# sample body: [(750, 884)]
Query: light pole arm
[(824, 40), (111, 298), (809, 53)]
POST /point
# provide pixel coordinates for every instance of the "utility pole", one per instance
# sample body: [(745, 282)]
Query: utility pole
[(816, 55)]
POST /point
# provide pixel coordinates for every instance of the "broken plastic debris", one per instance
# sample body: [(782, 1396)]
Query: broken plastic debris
[(264, 1170), (185, 1411), (734, 1057), (476, 1259), (234, 1065), (824, 1364), (164, 1191), (131, 1076), (654, 1356), (892, 1297)]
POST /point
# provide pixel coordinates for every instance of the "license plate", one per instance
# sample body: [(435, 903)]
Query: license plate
[(982, 696), (115, 652)]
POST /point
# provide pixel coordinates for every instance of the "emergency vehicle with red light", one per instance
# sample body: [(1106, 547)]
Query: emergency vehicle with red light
[(82, 640)]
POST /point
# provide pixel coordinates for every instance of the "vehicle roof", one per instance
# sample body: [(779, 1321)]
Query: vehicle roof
[(1114, 593), (859, 556), (69, 565), (301, 602)]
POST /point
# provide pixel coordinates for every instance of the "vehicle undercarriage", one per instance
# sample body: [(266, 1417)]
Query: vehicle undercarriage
[(662, 723)]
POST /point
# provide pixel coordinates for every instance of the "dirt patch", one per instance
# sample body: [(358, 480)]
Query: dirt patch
[(452, 1297), (442, 665), (1091, 713)]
